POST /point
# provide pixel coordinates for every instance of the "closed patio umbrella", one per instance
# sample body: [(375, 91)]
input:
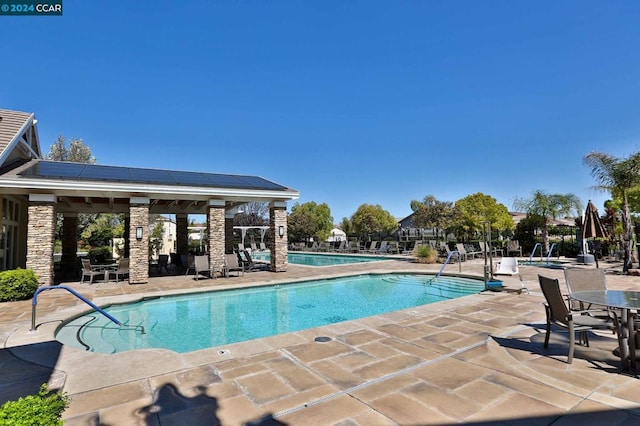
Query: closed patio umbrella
[(592, 226)]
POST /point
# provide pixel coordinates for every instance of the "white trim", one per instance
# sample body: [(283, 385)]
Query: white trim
[(150, 190), (217, 203), (139, 200), (279, 204), (42, 198), (16, 139)]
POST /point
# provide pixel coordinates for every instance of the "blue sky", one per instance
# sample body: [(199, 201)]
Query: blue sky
[(348, 102)]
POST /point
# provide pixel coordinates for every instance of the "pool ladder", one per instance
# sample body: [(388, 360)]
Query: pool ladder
[(34, 304), (533, 252)]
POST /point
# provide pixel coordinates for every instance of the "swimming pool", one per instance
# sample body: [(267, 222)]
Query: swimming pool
[(320, 259), (187, 323)]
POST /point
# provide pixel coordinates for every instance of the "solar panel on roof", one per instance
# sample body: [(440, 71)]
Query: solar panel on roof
[(55, 169), (259, 183), (190, 178), (151, 176), (220, 180), (94, 172)]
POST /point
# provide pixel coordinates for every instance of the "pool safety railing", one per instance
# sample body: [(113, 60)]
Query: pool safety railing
[(533, 252), (550, 251), (34, 303), (447, 261)]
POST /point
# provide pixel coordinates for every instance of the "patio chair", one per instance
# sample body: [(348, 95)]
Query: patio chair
[(241, 247), (372, 247), (163, 263), (89, 271), (473, 251), (507, 266), (121, 270), (462, 250), (513, 246), (494, 250), (558, 313), (384, 248), (231, 264), (254, 247), (445, 251), (263, 247), (202, 267), (188, 263), (579, 279), (249, 264)]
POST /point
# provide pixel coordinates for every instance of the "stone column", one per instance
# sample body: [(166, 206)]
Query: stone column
[(279, 249), (40, 236), (182, 234), (138, 248), (68, 264), (216, 228), (228, 231)]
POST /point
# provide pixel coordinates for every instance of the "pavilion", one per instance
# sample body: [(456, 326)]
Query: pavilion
[(35, 190)]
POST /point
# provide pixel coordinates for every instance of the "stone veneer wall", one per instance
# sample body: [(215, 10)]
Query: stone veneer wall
[(279, 249), (216, 224), (138, 249), (40, 239), (182, 234)]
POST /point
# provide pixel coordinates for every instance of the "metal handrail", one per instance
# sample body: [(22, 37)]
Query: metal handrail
[(534, 252), (551, 250), (34, 303), (451, 253)]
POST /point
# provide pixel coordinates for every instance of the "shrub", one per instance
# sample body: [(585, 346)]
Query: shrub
[(425, 254), (45, 408), (100, 254), (17, 284)]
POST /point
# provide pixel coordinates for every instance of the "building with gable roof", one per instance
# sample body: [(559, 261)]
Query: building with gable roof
[(34, 190)]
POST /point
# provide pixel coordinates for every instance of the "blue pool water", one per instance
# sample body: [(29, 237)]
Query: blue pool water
[(187, 323), (320, 259)]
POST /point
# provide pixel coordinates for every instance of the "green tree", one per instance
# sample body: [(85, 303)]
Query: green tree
[(347, 226), (431, 213), (101, 229), (619, 176), (76, 152), (373, 219), (155, 237), (310, 220), (549, 206), (472, 210)]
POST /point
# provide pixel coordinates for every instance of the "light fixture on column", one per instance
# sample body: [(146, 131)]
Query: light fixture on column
[(139, 233), (281, 231)]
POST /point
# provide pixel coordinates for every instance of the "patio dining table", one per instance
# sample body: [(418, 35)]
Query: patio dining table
[(105, 268), (626, 301)]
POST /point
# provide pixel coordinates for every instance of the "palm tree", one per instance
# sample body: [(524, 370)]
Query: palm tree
[(618, 176), (549, 206)]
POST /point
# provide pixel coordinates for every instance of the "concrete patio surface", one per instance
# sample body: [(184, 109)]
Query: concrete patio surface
[(477, 360)]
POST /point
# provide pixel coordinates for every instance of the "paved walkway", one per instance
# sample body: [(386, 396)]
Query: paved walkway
[(477, 359)]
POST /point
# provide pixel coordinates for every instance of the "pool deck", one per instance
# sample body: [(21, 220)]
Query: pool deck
[(478, 359)]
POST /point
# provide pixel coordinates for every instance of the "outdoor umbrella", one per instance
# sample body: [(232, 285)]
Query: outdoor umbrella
[(592, 226)]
